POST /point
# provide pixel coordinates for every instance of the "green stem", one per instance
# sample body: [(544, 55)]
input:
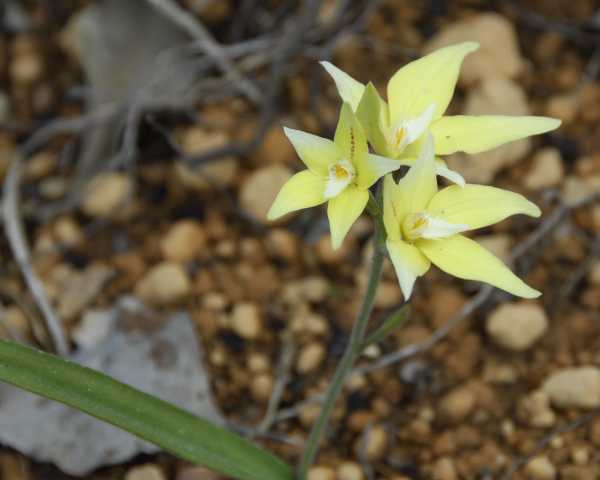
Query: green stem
[(353, 350)]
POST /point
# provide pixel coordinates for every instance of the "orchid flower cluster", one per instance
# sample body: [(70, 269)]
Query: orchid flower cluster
[(423, 224)]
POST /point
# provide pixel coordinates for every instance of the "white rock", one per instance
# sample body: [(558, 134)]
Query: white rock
[(164, 283), (106, 194), (260, 189), (94, 328), (145, 472), (184, 240), (541, 468), (594, 273), (517, 326), (546, 170), (246, 320), (574, 387), (498, 54), (495, 96)]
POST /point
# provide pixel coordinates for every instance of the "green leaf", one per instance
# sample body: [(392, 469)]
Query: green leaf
[(148, 417), (395, 320), (371, 113)]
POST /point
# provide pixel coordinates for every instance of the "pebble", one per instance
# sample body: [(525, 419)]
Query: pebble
[(164, 283), (575, 188), (349, 471), (68, 232), (535, 410), (540, 468), (106, 194), (517, 326), (145, 472), (261, 387), (574, 387), (310, 357), (94, 328), (221, 173), (246, 320), (494, 96), (282, 244), (546, 171), (457, 405), (376, 443), (260, 188), (497, 39), (307, 289), (321, 473), (594, 273), (183, 241), (444, 469)]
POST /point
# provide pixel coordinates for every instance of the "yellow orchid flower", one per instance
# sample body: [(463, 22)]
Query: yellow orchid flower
[(423, 226), (418, 95), (339, 172)]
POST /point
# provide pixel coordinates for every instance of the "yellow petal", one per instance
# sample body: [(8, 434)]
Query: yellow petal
[(350, 136), (428, 80), (441, 169), (372, 167), (372, 113), (316, 152), (349, 89), (343, 211), (474, 134), (464, 258), (479, 205), (394, 209), (408, 262), (419, 184), (303, 190)]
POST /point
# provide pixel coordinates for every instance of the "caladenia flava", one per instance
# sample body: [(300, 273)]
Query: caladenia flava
[(339, 172), (416, 225), (418, 95)]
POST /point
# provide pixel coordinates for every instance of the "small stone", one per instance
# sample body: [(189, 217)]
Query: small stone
[(219, 173), (574, 387), (517, 326), (68, 232), (540, 468), (580, 455), (535, 410), (184, 241), (494, 96), (457, 405), (376, 443), (576, 189), (594, 273), (282, 244), (261, 387), (275, 148), (260, 189), (310, 357), (40, 165), (145, 472), (308, 289), (164, 283), (546, 171), (444, 469), (564, 106), (349, 471), (321, 473), (106, 194), (497, 39), (246, 320)]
